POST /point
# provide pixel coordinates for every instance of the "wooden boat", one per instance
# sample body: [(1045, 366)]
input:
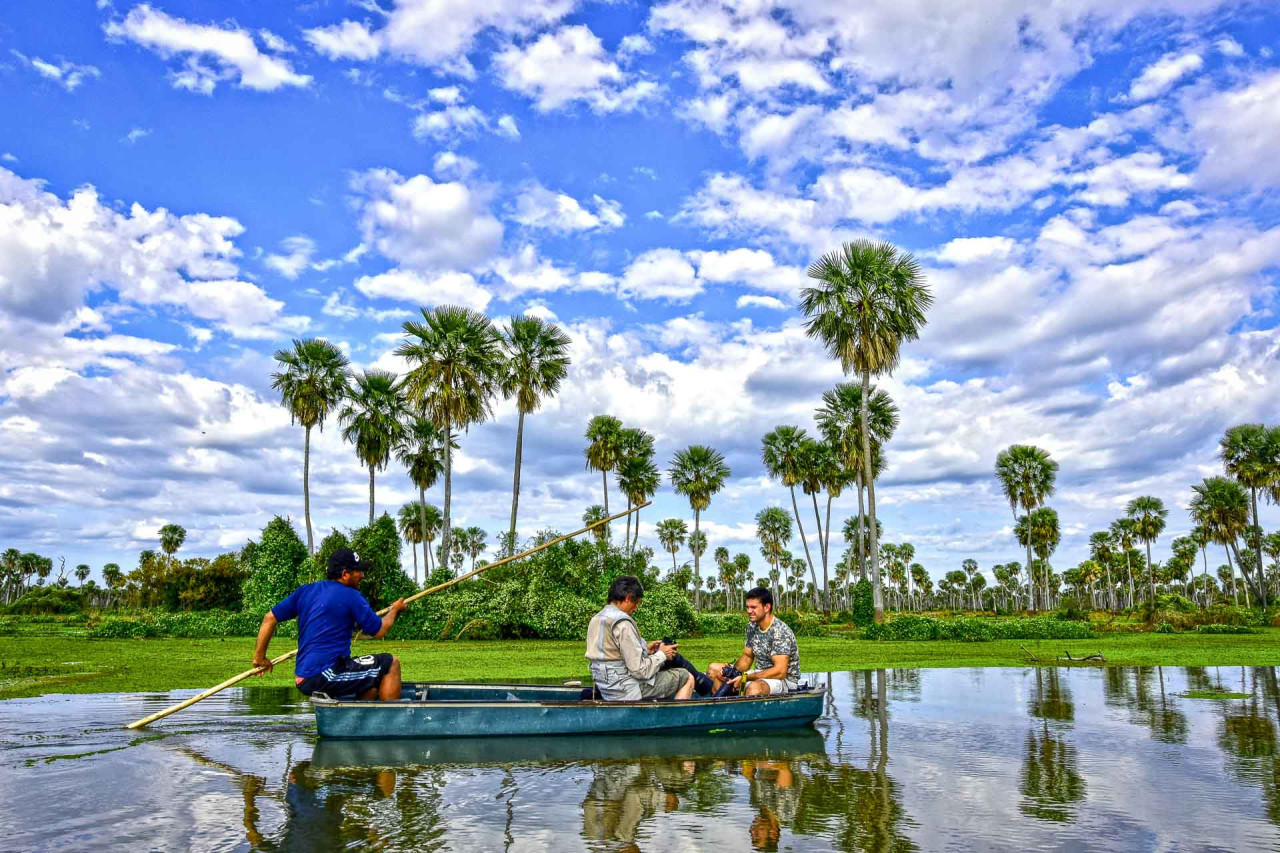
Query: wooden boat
[(432, 710)]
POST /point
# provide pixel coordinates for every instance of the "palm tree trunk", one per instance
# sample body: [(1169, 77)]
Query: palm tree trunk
[(795, 509), (604, 478), (515, 487), (822, 548), (1031, 575), (673, 563), (635, 538), (1128, 565), (862, 533), (1248, 579), (1235, 591), (1261, 585), (448, 490), (370, 495), (413, 548), (697, 562), (306, 491), (422, 531), (877, 592), (627, 536), (1111, 589), (1151, 575)]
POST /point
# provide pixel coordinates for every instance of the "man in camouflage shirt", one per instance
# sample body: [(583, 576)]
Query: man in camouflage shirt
[(770, 651)]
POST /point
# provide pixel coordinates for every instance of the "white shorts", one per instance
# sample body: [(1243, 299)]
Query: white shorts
[(778, 685)]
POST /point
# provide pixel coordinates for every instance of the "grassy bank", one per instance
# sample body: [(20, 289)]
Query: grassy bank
[(61, 664)]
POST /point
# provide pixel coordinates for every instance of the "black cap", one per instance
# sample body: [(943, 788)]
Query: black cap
[(345, 560)]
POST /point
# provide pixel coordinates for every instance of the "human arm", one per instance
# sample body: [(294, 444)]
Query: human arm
[(778, 670), (397, 607), (370, 623), (639, 664), (265, 632)]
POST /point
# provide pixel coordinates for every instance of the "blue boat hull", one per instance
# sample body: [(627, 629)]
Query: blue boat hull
[(497, 710)]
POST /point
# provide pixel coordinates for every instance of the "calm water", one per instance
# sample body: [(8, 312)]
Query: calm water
[(992, 759)]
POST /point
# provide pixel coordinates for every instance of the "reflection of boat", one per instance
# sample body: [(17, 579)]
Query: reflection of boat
[(775, 745), (489, 710)]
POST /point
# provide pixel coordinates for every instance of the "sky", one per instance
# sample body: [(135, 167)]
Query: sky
[(186, 187)]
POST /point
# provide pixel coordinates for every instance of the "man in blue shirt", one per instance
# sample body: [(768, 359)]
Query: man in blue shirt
[(328, 613)]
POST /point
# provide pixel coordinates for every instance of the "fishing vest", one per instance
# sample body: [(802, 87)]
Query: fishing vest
[(608, 670)]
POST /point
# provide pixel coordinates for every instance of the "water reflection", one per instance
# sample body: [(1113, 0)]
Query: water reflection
[(902, 760)]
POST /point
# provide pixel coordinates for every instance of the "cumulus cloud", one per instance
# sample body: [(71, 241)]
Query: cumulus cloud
[(569, 66), (660, 274), (211, 54), (538, 207), (446, 288), (66, 74), (1234, 131), (1162, 75)]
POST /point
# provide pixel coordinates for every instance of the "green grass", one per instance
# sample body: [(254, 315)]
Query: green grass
[(1214, 694), (30, 666)]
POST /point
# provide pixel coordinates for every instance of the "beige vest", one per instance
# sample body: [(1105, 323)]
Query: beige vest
[(607, 667)]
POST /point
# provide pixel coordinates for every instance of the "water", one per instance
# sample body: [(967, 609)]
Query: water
[(991, 759)]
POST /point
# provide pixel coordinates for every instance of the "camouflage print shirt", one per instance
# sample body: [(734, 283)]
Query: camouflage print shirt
[(778, 640)]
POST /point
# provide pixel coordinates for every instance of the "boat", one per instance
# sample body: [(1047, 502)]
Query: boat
[(451, 709)]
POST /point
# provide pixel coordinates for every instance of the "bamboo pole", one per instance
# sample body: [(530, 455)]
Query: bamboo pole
[(234, 680)]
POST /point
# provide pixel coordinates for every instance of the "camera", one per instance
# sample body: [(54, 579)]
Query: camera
[(667, 641)]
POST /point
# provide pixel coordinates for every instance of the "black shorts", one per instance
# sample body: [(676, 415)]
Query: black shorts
[(348, 677)]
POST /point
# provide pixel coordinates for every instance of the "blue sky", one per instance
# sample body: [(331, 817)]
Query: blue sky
[(186, 186)]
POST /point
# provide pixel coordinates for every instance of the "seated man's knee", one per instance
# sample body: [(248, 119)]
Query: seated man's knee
[(757, 688), (715, 669), (395, 664)]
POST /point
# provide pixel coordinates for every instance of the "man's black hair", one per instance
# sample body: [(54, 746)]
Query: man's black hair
[(627, 586), (761, 595), (344, 560)]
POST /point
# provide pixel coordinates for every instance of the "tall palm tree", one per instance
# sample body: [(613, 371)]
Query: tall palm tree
[(697, 547), (476, 544), (1148, 514), (671, 534), (638, 474), (373, 420), (1199, 536), (595, 513), (698, 472), (1102, 552), (432, 521), (1251, 454), (456, 364), (312, 383), (1123, 533), (1046, 536), (1026, 474), (537, 362), (773, 526), (1221, 507), (171, 538), (604, 432), (82, 572), (409, 519), (869, 299), (783, 454), (421, 452)]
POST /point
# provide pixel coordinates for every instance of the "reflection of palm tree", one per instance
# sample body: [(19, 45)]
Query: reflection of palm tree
[(1050, 781)]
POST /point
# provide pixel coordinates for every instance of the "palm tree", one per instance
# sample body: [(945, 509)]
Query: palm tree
[(604, 432), (431, 523), (698, 472), (1046, 536), (773, 526), (869, 300), (1102, 552), (697, 547), (82, 572), (1148, 514), (456, 358), (373, 420), (171, 538), (112, 576), (595, 513), (1221, 507), (1122, 532), (1251, 454), (783, 454), (537, 362), (421, 451), (312, 383), (638, 475), (671, 534), (409, 519), (1026, 474), (475, 544), (1199, 536)]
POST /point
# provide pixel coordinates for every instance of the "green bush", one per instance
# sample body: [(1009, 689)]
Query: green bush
[(864, 608), (202, 624), (1070, 611), (1225, 629), (803, 624), (379, 546), (975, 630), (720, 624), (1164, 628), (277, 566), (48, 599)]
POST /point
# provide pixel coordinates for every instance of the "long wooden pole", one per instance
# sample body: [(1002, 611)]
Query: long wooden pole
[(248, 673)]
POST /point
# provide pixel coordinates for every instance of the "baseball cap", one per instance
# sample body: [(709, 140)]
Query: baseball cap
[(345, 560)]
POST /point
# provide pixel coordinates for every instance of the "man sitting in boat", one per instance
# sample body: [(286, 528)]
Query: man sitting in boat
[(623, 665), (328, 613), (770, 650)]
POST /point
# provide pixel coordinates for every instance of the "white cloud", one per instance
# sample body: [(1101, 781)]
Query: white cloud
[(526, 271), (1164, 74), (1234, 131), (1228, 46), (570, 65), (752, 301), (135, 134), (753, 267), (8, 157), (968, 250), (447, 288), (449, 164), (230, 50), (426, 225), (538, 207), (457, 120), (346, 40), (660, 274), (507, 127), (634, 45), (66, 74), (53, 253), (446, 95), (300, 249)]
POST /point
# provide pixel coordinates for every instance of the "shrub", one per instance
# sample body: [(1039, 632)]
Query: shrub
[(975, 630), (1164, 628), (864, 608), (379, 546), (48, 599), (275, 571), (803, 624), (721, 624), (1225, 629), (1069, 610), (197, 624)]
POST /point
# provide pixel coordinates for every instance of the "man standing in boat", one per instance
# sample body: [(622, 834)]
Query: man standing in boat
[(770, 650), (328, 613), (623, 665)]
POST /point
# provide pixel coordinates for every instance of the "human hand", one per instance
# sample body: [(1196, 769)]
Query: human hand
[(669, 651), (262, 664), (653, 646), (398, 606)]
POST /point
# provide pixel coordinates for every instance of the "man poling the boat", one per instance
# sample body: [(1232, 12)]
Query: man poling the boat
[(770, 646), (623, 665), (328, 614)]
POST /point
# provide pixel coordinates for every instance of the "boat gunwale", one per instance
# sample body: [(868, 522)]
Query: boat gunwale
[(326, 702)]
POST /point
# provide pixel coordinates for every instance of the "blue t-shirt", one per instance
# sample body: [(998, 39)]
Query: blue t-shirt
[(328, 613)]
